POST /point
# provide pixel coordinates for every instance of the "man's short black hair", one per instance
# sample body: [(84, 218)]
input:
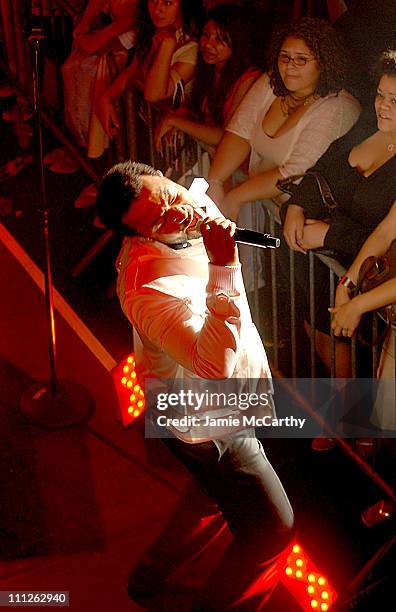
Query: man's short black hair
[(120, 186)]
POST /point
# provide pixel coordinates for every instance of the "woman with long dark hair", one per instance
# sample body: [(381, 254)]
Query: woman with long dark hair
[(224, 75), (165, 56)]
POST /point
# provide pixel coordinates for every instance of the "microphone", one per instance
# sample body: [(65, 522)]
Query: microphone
[(257, 239), (242, 236), (198, 189)]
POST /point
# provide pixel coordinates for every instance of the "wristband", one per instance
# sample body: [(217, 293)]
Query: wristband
[(347, 282)]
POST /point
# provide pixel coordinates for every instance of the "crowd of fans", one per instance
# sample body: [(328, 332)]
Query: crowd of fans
[(268, 96), (274, 117)]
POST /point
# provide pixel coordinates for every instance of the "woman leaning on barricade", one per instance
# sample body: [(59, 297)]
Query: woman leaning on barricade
[(360, 169), (349, 309), (224, 75), (166, 51), (347, 313), (289, 117)]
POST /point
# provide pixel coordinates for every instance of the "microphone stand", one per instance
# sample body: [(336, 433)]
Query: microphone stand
[(52, 404)]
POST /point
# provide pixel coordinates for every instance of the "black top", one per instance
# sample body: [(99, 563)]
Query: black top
[(363, 202)]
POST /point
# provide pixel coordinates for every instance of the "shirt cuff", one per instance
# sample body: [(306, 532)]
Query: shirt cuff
[(224, 279)]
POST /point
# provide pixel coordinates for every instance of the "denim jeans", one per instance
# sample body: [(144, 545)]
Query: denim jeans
[(242, 491)]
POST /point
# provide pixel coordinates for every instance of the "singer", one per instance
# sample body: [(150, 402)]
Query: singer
[(191, 318)]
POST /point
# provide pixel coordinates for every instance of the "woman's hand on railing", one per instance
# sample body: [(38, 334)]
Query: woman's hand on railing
[(165, 126), (314, 234), (293, 229), (107, 115), (346, 318)]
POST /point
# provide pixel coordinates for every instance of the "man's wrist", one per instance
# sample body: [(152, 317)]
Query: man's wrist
[(224, 278)]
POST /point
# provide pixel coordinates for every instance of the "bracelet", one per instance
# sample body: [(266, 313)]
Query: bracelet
[(347, 282), (215, 182)]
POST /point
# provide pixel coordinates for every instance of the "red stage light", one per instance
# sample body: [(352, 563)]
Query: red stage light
[(306, 583), (131, 402)]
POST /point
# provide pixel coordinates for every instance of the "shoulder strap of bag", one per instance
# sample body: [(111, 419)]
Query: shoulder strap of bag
[(324, 187)]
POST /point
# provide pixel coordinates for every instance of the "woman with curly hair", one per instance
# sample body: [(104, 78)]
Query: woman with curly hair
[(289, 117), (224, 75), (165, 56)]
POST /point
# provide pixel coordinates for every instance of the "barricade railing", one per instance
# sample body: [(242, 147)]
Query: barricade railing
[(278, 315)]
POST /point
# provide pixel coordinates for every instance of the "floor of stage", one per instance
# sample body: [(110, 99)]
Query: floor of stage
[(81, 505)]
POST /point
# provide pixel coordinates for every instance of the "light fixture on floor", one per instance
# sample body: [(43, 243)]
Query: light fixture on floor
[(306, 583), (131, 401)]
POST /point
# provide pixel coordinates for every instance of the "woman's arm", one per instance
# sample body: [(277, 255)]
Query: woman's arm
[(256, 188), (231, 153), (105, 107), (376, 244), (239, 95), (346, 317), (159, 84), (93, 9), (234, 147), (90, 43), (200, 131)]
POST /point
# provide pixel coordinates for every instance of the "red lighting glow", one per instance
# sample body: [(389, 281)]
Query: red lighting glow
[(306, 584), (131, 402)]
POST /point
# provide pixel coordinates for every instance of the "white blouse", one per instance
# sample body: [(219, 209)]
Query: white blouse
[(299, 148)]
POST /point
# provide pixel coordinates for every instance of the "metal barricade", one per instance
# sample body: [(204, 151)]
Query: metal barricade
[(279, 316)]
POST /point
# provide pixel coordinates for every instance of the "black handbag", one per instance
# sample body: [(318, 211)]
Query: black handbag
[(288, 185), (329, 203)]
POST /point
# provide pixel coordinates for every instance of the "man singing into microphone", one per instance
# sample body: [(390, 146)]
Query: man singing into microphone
[(187, 304)]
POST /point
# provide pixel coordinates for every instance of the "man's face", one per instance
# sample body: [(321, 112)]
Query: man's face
[(162, 211)]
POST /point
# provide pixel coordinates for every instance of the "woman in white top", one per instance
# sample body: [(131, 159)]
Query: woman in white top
[(165, 58), (289, 117)]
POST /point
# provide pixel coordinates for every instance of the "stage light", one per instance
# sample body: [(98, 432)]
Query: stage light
[(307, 582), (131, 401)]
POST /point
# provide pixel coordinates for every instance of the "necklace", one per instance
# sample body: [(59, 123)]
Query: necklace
[(289, 104)]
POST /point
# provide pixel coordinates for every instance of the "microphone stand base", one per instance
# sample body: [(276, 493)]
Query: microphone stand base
[(72, 404)]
